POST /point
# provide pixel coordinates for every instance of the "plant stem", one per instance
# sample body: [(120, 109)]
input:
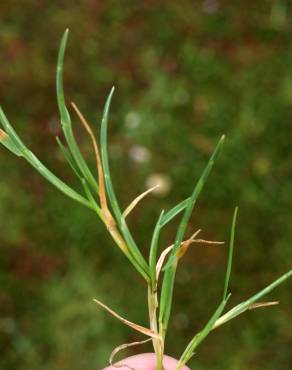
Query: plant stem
[(157, 343)]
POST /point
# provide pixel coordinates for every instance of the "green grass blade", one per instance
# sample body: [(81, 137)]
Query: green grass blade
[(96, 208), (9, 144), (104, 158), (198, 338), (191, 203), (53, 179), (70, 159), (110, 190), (10, 131), (230, 254), (15, 145), (153, 250), (194, 343), (174, 211), (65, 116), (66, 119), (91, 199), (170, 268), (204, 333), (166, 298), (242, 307)]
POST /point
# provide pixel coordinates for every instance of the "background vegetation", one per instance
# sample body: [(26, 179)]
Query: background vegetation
[(185, 71)]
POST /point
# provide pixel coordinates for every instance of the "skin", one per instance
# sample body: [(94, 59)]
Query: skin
[(145, 361)]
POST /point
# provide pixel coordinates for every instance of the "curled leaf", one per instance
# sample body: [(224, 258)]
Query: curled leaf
[(183, 249), (185, 245), (262, 304), (137, 327), (97, 155), (122, 347), (133, 204), (161, 260)]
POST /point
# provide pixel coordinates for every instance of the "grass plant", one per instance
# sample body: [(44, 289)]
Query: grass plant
[(100, 197)]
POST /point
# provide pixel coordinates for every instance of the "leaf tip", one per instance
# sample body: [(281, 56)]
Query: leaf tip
[(65, 34), (221, 140), (228, 297), (236, 208), (63, 45), (111, 93)]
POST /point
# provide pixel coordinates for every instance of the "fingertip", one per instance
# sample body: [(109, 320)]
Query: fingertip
[(145, 361)]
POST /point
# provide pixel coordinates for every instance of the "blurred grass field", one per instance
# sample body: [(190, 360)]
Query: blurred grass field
[(185, 72)]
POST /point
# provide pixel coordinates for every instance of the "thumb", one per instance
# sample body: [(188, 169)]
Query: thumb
[(145, 361)]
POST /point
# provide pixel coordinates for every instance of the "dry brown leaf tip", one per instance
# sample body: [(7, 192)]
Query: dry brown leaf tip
[(262, 304), (134, 326), (133, 204), (122, 347), (110, 222), (3, 135)]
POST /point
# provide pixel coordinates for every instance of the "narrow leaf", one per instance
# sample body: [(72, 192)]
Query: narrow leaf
[(15, 144), (184, 247), (122, 347), (242, 307), (9, 144), (137, 327), (133, 204), (170, 268), (10, 130), (65, 116), (207, 242), (111, 193), (53, 179), (104, 158), (153, 250), (69, 158), (161, 260), (92, 200), (198, 338), (230, 254), (186, 244), (262, 304), (174, 211), (102, 191), (66, 119), (192, 200)]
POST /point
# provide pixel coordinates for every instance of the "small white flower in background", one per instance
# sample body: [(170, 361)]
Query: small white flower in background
[(162, 181), (139, 154), (132, 119)]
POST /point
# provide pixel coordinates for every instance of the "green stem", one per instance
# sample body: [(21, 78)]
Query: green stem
[(157, 344)]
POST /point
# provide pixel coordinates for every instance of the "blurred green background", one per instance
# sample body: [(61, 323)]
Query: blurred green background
[(186, 72)]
